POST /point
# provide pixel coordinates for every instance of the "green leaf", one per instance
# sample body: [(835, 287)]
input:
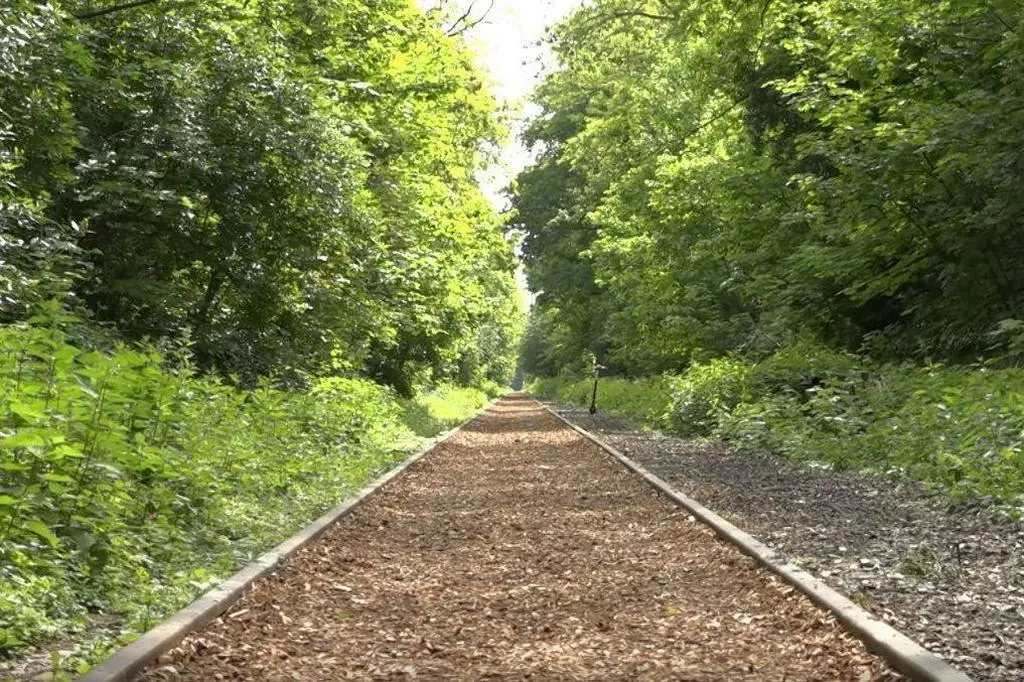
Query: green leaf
[(42, 530), (29, 438), (29, 413)]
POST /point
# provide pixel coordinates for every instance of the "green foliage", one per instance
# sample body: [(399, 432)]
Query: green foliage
[(444, 407), (705, 393), (290, 184), (130, 483), (958, 428), (727, 176), (39, 258), (791, 210)]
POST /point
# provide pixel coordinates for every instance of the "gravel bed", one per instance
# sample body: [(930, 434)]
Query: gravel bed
[(950, 577), (519, 550)]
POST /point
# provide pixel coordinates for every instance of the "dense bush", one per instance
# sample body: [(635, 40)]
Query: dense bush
[(128, 483), (960, 429), (705, 393), (444, 406)]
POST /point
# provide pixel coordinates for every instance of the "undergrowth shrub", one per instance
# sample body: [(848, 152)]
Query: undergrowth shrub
[(959, 429), (705, 393), (129, 483)]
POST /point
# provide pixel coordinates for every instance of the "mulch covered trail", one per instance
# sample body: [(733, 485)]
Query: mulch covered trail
[(520, 550)]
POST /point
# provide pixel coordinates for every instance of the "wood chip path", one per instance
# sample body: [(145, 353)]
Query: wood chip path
[(518, 550)]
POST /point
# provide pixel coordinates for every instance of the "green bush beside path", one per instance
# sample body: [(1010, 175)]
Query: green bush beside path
[(959, 429), (129, 483)]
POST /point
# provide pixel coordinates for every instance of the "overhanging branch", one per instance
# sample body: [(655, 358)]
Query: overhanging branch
[(92, 14), (464, 22)]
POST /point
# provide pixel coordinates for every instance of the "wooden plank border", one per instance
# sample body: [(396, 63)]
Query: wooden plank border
[(133, 658), (904, 654)]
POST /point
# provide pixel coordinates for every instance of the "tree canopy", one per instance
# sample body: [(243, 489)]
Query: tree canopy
[(288, 183), (731, 176)]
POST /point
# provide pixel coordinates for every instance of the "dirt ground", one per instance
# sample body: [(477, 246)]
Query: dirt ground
[(519, 550)]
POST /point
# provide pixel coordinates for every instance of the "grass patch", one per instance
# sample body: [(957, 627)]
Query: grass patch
[(441, 408)]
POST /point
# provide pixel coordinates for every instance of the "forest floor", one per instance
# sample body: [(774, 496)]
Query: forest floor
[(950, 577), (520, 550)]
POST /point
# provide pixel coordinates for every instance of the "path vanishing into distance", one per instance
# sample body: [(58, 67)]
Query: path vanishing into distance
[(518, 549)]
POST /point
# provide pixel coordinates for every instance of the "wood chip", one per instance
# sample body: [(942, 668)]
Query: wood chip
[(519, 550)]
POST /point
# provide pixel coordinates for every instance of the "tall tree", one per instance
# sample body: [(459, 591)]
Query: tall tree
[(289, 183), (754, 172)]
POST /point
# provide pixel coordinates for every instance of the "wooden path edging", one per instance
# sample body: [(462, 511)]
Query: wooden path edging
[(904, 654), (131, 659)]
